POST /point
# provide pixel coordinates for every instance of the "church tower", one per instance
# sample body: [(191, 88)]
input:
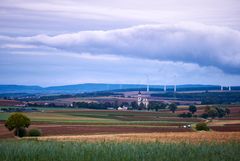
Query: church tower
[(139, 98)]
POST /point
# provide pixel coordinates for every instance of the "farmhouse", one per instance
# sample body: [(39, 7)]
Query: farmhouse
[(124, 108)]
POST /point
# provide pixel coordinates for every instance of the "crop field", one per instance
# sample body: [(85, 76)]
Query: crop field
[(163, 137), (88, 135), (31, 150), (60, 121), (104, 116)]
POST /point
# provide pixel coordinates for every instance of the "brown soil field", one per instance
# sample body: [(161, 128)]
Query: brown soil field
[(4, 133), (170, 137), (80, 129), (10, 102), (104, 123), (200, 109), (64, 129), (226, 128), (228, 118), (223, 122), (225, 125), (232, 124)]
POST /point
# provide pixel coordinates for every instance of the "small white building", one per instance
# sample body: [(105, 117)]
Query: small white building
[(124, 108)]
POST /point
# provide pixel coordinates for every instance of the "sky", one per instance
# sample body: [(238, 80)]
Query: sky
[(60, 42)]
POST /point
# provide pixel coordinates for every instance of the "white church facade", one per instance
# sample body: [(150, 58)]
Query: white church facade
[(140, 100)]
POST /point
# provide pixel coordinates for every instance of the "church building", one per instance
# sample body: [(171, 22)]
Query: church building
[(142, 100)]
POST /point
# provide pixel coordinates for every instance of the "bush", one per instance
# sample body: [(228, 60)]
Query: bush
[(34, 132), (20, 132), (202, 126), (192, 109), (173, 107), (204, 115), (213, 113), (184, 115)]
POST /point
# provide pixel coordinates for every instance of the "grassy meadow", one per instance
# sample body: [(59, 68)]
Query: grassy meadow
[(113, 151)]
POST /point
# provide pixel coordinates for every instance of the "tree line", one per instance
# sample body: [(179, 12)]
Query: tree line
[(204, 97), (209, 112)]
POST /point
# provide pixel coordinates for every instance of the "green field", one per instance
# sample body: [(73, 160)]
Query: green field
[(97, 116), (111, 151)]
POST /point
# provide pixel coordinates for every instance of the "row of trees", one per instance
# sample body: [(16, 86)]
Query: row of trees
[(192, 109), (204, 97), (94, 105), (212, 112), (153, 105), (215, 111), (52, 104)]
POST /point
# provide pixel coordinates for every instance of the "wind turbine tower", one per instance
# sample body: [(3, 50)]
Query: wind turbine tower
[(175, 86), (165, 88), (147, 83)]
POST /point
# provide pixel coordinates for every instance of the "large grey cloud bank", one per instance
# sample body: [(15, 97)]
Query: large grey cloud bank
[(183, 42)]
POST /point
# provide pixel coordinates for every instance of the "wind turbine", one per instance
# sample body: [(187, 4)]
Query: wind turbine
[(147, 76), (165, 88), (221, 88), (175, 86), (164, 82)]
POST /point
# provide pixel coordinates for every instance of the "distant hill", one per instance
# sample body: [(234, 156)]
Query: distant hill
[(92, 87), (78, 88), (19, 89)]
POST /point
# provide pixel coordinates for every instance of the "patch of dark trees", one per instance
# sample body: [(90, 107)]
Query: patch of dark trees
[(46, 105), (94, 105), (204, 97), (154, 105), (20, 109), (215, 111), (209, 112)]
